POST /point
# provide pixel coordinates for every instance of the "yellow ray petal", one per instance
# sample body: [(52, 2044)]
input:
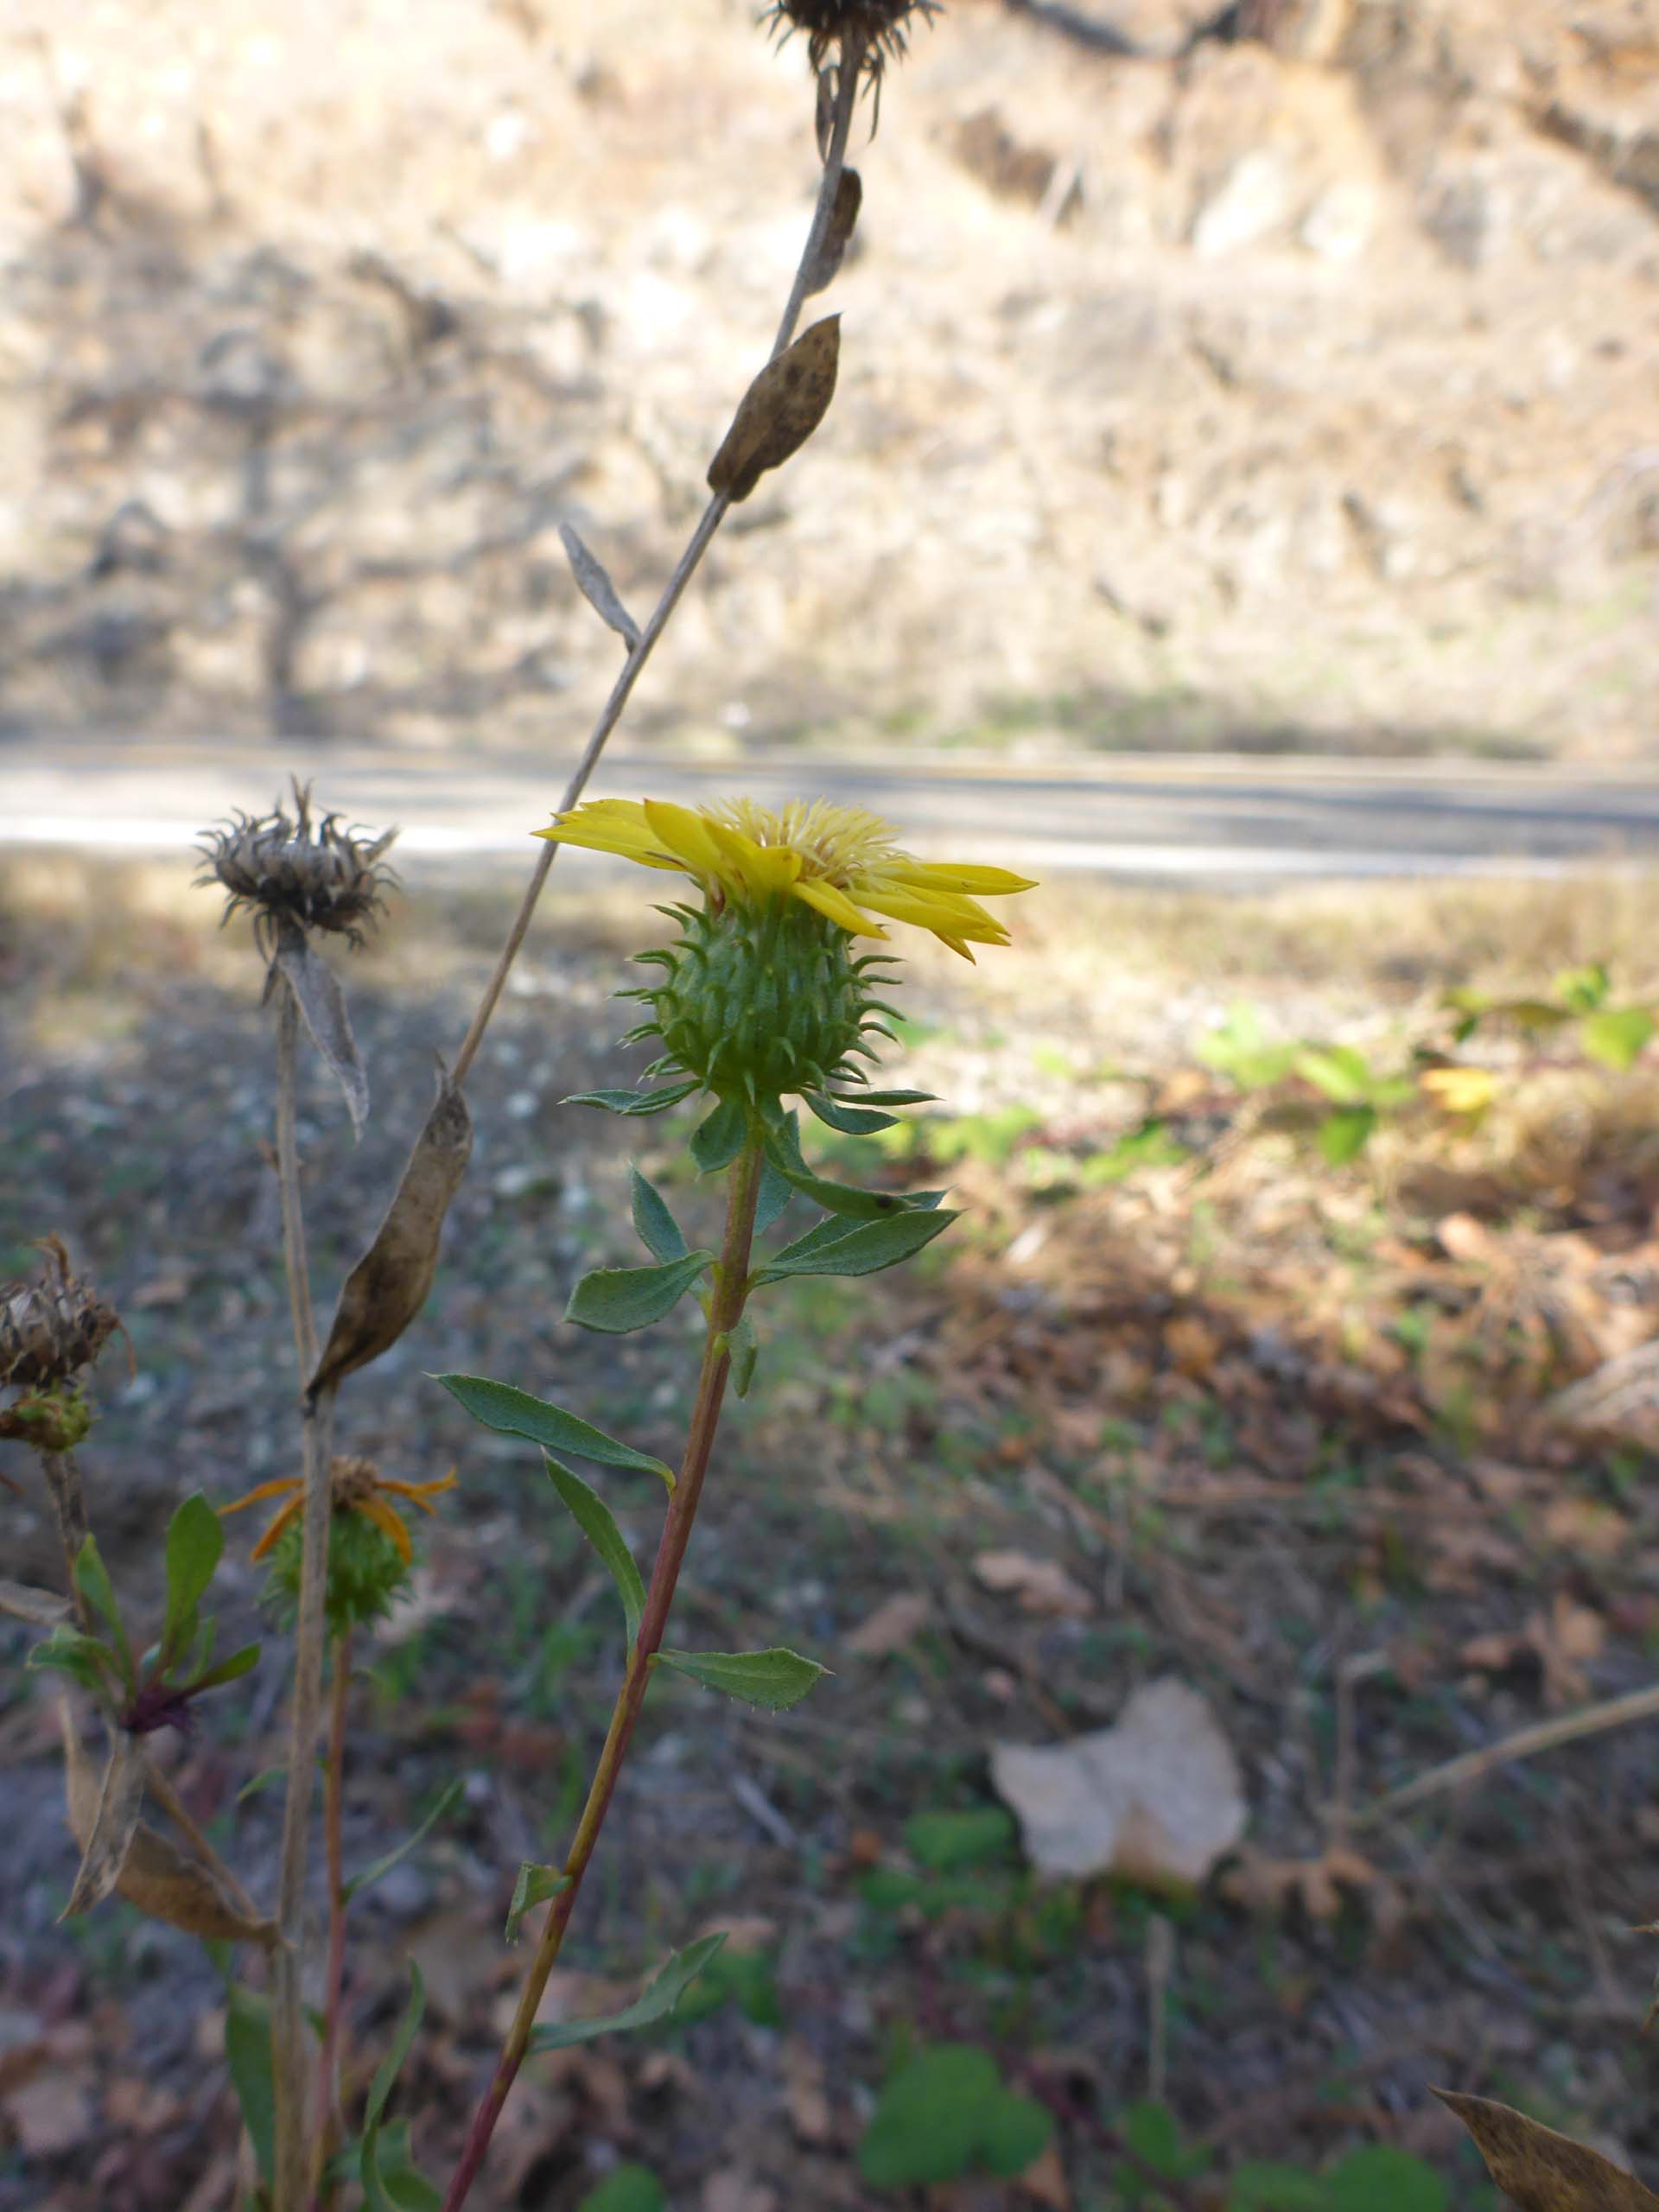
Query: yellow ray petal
[(959, 917), (837, 905), (388, 1520), (687, 836), (958, 875), (420, 1494), (291, 1511), (749, 866), (278, 1487)]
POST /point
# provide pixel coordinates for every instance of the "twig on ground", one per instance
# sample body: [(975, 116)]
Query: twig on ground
[(1525, 1743)]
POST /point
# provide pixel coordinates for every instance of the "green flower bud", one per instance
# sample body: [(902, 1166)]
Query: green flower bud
[(760, 1001), (367, 1573)]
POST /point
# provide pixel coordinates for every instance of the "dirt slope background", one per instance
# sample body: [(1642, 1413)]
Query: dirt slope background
[(1286, 389)]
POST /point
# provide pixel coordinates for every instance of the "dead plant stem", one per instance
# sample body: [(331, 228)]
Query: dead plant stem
[(713, 515), (330, 2125)]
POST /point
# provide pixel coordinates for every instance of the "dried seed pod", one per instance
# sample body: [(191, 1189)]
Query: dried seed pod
[(51, 1329), (877, 29), (779, 412), (293, 868)]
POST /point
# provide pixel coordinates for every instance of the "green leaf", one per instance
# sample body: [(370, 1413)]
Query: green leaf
[(1616, 1039), (247, 2053), (626, 2188), (949, 1841), (1150, 2131), (928, 2122), (534, 1886), (595, 1519), (775, 1193), (515, 1412), (852, 1121), (240, 1662), (716, 1142), (659, 1232), (617, 1300), (384, 1864), (632, 1102), (1013, 2131), (406, 2187), (1242, 1051), (744, 1346), (1380, 2178), (893, 1098), (837, 1197), (1262, 2185), (1345, 1133), (195, 1538), (1583, 990), (655, 2002), (773, 1679), (374, 2189), (83, 1658), (93, 1580), (1341, 1072), (862, 1251)]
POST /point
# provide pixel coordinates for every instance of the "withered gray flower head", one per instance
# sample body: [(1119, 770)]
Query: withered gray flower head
[(878, 29), (293, 868), (50, 1329)]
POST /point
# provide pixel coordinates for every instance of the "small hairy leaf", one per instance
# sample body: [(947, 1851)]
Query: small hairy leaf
[(659, 1232), (534, 1886), (862, 1251), (595, 1519), (597, 589), (928, 2122), (773, 1679), (852, 1121), (615, 1300), (655, 2002), (632, 1102), (512, 1412), (716, 1142)]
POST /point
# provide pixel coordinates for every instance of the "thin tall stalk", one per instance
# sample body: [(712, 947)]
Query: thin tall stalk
[(288, 2043), (713, 515), (330, 2118), (725, 1311)]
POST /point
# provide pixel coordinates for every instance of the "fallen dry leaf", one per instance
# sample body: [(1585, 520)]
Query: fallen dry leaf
[(50, 2114), (732, 2190), (1043, 2180), (1579, 1524), (1192, 1345), (1619, 1400), (155, 1876), (898, 1620), (1040, 1586), (1158, 1798), (1318, 1883), (114, 1823), (1544, 2171), (804, 2098)]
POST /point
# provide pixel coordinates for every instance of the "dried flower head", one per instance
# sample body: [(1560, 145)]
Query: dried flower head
[(291, 869), (369, 1550), (877, 31), (50, 1329)]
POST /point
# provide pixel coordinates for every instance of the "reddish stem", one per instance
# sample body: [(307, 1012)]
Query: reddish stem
[(725, 1310)]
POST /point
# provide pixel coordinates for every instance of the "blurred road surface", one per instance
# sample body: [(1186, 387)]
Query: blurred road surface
[(1200, 819)]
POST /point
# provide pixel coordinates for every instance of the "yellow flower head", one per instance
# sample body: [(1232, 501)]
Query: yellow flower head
[(357, 1486), (842, 861)]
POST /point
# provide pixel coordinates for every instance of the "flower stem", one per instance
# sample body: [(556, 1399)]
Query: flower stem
[(316, 1437), (714, 514), (331, 2126), (725, 1310)]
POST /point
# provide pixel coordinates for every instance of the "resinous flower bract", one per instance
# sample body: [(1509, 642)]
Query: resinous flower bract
[(762, 994)]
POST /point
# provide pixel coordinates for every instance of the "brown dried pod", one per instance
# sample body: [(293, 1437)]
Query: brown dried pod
[(844, 220), (388, 1285), (293, 868), (779, 412), (1543, 2171), (51, 1329)]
